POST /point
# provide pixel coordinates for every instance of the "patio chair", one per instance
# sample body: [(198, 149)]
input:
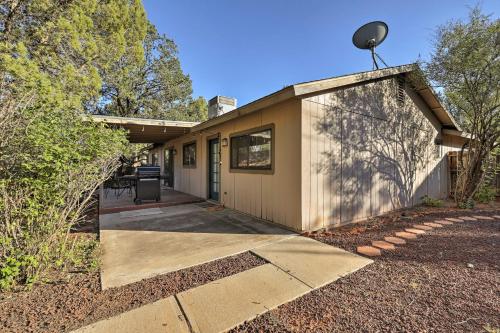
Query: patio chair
[(119, 186)]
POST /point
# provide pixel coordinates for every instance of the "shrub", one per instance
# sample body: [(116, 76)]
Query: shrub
[(485, 194), (469, 204), (431, 202), (51, 162)]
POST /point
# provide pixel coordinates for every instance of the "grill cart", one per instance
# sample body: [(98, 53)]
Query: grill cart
[(148, 184)]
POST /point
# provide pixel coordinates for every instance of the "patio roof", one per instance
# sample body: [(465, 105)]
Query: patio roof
[(147, 130)]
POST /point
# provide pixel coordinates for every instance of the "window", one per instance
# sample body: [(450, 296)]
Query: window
[(252, 151), (189, 155)]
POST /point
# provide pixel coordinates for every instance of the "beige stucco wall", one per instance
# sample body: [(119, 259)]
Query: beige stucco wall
[(363, 154), (273, 197)]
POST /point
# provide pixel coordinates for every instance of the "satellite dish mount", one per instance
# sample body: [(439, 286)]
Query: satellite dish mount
[(369, 36)]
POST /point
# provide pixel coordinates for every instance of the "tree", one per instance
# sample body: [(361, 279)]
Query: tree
[(465, 63), (51, 158), (153, 86)]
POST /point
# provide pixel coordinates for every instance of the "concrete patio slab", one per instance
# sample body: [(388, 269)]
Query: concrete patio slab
[(312, 262), (138, 246), (223, 304), (163, 316), (110, 203)]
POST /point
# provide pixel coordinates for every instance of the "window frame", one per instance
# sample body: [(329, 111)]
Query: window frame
[(184, 145), (267, 171)]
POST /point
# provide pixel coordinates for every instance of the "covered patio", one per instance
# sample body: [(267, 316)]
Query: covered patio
[(110, 203), (149, 131)]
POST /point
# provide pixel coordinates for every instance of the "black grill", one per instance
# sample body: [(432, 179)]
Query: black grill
[(148, 184)]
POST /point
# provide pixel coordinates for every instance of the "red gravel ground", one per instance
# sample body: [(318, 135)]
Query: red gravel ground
[(68, 305), (445, 281)]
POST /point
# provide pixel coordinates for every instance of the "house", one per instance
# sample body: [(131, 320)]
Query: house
[(317, 154)]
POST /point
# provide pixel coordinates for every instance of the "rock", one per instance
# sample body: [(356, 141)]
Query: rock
[(406, 235), (470, 265), (383, 245), (395, 240), (415, 231), (369, 251)]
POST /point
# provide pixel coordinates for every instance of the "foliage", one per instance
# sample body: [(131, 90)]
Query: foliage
[(151, 85), (485, 194), (431, 202), (52, 158), (469, 204), (466, 65)]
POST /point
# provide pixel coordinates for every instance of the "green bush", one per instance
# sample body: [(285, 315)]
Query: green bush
[(431, 202), (52, 159), (485, 194), (56, 161), (469, 204)]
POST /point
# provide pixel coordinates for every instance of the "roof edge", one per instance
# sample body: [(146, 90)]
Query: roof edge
[(140, 121), (263, 102), (340, 81)]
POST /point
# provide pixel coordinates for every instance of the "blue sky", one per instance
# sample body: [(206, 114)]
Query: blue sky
[(248, 49)]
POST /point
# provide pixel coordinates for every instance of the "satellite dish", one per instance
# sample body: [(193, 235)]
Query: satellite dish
[(369, 36)]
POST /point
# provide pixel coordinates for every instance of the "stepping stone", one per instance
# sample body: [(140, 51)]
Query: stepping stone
[(161, 316), (406, 235), (310, 261), (482, 217), (443, 222), (223, 304), (467, 218), (369, 251), (422, 227), (395, 240), (383, 245), (434, 225), (452, 219), (415, 231)]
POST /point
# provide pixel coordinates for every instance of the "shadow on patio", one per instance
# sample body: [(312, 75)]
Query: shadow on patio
[(144, 243)]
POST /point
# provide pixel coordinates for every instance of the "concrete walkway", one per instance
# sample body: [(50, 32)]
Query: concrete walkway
[(228, 302), (158, 317), (144, 243), (297, 265), (310, 261)]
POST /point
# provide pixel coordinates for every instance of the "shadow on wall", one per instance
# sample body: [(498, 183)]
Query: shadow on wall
[(382, 146)]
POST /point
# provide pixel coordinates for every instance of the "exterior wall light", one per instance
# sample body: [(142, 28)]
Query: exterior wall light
[(224, 142)]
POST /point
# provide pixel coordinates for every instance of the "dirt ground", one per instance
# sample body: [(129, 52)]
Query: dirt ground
[(76, 299), (445, 281)]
